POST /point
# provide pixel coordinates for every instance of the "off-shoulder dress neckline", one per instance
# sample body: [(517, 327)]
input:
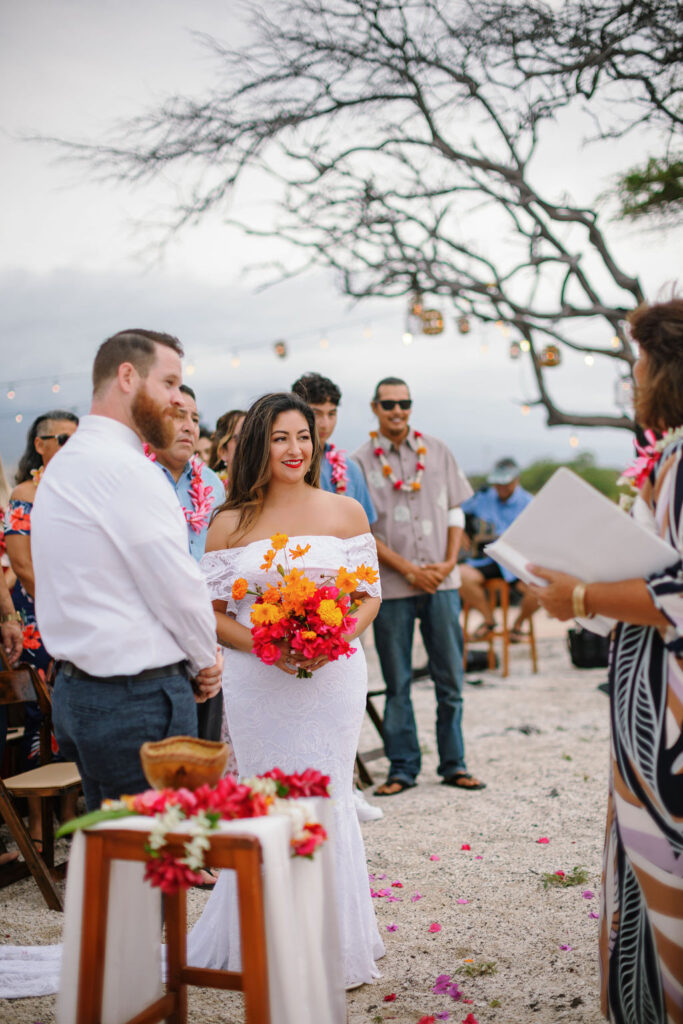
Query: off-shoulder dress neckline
[(294, 537)]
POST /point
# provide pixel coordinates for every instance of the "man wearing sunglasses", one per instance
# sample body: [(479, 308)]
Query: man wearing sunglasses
[(417, 488)]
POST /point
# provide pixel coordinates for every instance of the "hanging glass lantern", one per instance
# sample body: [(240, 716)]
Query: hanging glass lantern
[(463, 323), (432, 321), (417, 304), (515, 350), (280, 348), (623, 393), (550, 356)]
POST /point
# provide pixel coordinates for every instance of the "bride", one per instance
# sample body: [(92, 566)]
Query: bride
[(275, 718)]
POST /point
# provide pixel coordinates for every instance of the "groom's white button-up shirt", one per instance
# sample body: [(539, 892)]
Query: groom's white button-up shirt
[(117, 591)]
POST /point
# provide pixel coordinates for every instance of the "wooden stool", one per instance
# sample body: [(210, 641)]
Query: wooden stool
[(498, 595), (243, 855)]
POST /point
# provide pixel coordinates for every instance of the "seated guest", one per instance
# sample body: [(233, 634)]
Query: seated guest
[(496, 507)]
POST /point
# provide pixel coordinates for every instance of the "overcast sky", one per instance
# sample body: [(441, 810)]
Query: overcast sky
[(71, 271)]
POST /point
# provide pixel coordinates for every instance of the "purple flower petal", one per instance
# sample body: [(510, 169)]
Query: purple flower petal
[(442, 1016), (417, 896), (566, 948), (454, 991), (588, 894), (594, 914), (479, 857), (392, 927)]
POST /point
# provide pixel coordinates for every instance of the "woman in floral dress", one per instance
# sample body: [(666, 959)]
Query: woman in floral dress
[(641, 927)]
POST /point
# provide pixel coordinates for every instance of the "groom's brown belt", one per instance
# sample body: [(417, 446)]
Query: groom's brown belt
[(178, 668)]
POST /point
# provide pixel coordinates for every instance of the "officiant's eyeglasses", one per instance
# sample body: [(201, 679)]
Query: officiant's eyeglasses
[(403, 403), (61, 439)]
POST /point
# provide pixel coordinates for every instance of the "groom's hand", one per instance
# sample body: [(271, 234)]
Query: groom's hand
[(208, 682)]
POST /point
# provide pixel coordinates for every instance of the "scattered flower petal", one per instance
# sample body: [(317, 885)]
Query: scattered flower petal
[(479, 857), (588, 894), (594, 914), (443, 1016), (560, 874), (415, 897), (392, 927), (442, 984), (435, 927), (371, 877), (435, 856), (397, 885), (543, 839), (566, 947), (463, 900), (380, 877), (427, 1020), (470, 1019), (393, 899), (465, 846), (390, 998)]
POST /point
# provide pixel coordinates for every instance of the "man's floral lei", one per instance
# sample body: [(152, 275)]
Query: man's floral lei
[(294, 611), (337, 460), (203, 808), (414, 484), (201, 494), (647, 458)]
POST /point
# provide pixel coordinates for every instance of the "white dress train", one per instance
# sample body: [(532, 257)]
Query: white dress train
[(277, 720)]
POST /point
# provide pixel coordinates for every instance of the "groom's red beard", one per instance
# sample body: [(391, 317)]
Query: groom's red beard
[(154, 421)]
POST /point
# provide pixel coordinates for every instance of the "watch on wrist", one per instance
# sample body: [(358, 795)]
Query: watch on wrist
[(10, 617)]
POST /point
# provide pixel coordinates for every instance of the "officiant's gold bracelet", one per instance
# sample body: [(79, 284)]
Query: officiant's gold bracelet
[(579, 602)]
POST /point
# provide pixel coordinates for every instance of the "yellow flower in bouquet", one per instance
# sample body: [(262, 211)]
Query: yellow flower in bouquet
[(366, 574), (278, 540), (330, 613), (346, 581), (239, 589), (266, 614)]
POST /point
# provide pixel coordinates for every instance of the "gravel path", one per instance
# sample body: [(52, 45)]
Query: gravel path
[(541, 744)]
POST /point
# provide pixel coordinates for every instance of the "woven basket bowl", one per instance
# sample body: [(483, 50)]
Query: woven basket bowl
[(183, 761)]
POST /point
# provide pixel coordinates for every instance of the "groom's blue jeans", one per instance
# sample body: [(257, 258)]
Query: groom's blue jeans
[(440, 627)]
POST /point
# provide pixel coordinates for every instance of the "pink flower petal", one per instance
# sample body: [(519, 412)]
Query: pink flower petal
[(465, 846), (397, 885), (435, 927), (390, 998), (392, 927), (462, 900), (594, 914), (566, 947), (435, 856), (588, 894), (415, 897), (543, 839), (479, 857)]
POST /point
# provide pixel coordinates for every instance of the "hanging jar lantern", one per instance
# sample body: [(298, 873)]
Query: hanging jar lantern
[(515, 350), (432, 321), (623, 393), (417, 304), (463, 323), (550, 356), (280, 349)]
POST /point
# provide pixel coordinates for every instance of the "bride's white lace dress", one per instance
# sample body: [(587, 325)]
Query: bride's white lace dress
[(277, 720)]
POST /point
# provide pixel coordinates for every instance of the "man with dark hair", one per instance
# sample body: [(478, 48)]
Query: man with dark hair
[(417, 488), (202, 446), (199, 492), (121, 604), (337, 473)]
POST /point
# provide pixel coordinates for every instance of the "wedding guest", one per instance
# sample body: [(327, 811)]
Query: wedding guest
[(417, 488), (120, 600), (337, 473), (199, 492), (225, 438), (641, 925), (497, 505), (203, 444)]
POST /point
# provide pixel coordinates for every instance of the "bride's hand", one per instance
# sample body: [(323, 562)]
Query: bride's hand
[(289, 661)]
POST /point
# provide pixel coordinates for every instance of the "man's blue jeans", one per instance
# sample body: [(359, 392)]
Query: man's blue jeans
[(101, 726), (440, 627)]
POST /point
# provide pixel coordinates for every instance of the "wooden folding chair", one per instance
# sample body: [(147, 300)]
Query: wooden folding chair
[(362, 759), (243, 855), (49, 781)]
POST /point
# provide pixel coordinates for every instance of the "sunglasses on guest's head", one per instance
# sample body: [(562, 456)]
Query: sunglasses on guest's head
[(388, 403), (61, 439)]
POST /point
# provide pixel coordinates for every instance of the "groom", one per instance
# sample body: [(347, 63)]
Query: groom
[(120, 601)]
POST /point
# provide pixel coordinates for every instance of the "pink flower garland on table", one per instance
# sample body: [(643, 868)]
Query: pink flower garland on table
[(203, 808), (201, 494), (415, 483), (337, 459)]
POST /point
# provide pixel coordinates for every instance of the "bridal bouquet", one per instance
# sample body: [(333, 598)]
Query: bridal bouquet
[(203, 808), (295, 612)]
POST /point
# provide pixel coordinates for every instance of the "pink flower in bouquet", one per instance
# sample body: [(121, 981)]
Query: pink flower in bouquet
[(269, 653)]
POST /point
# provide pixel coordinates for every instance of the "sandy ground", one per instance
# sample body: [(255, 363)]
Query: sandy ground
[(541, 743)]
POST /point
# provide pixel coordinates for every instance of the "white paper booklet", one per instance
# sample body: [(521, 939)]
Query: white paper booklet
[(571, 527)]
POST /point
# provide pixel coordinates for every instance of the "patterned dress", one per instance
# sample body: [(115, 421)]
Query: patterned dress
[(641, 927), (18, 522)]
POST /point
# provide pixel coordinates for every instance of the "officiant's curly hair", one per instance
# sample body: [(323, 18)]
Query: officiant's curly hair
[(251, 464), (658, 330)]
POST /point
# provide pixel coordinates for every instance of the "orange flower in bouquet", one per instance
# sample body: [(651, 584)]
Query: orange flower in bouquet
[(311, 617)]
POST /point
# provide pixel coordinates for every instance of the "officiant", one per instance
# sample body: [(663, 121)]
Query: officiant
[(641, 926)]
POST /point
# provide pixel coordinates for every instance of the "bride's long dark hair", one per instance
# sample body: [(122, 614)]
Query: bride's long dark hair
[(251, 464)]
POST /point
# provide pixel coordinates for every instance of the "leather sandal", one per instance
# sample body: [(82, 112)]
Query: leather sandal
[(463, 780), (392, 787), (483, 631)]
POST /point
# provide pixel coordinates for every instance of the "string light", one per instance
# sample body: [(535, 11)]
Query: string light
[(18, 417), (235, 361), (573, 441), (484, 349), (190, 370), (525, 410), (616, 342), (367, 332), (56, 388), (280, 349), (324, 342), (407, 338), (11, 393), (588, 360), (525, 345)]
